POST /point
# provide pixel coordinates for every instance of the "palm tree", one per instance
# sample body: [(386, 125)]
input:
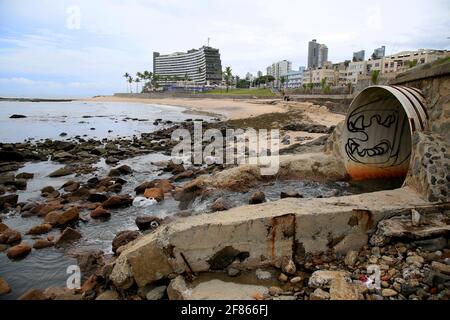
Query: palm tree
[(282, 81), (137, 84), (155, 79), (227, 74), (130, 81), (126, 75)]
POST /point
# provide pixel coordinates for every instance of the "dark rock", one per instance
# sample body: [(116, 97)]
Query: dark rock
[(111, 160), (25, 175), (183, 175), (432, 244), (97, 197), (8, 200), (122, 238), (40, 229), (117, 202), (10, 236), (42, 243), (7, 178), (69, 216), (174, 168), (223, 258), (47, 190), (33, 294), (18, 251), (99, 212), (290, 194), (257, 197), (117, 187), (147, 222), (71, 186), (90, 262), (140, 189), (220, 205), (17, 116), (67, 236)]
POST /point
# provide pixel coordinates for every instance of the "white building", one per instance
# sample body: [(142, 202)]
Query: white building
[(278, 69), (294, 79)]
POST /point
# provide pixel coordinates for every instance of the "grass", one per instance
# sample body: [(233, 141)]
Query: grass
[(260, 92)]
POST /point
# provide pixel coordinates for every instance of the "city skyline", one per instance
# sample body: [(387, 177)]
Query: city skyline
[(42, 53)]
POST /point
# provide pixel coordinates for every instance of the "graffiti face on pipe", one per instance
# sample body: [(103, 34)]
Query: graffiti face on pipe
[(377, 140)]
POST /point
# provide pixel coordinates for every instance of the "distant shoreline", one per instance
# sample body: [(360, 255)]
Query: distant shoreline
[(35, 99)]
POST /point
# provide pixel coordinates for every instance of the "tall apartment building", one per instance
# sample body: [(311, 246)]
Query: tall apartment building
[(317, 54), (379, 53), (202, 66), (278, 69), (359, 55), (294, 79)]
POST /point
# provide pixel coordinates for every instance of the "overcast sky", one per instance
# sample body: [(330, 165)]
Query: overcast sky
[(47, 49)]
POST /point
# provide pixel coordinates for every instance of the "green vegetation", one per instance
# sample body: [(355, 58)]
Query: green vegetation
[(227, 75), (374, 77), (260, 92), (412, 64)]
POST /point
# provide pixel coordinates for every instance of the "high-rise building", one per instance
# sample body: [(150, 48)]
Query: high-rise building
[(203, 66), (317, 54), (278, 69), (359, 55), (379, 53), (259, 74)]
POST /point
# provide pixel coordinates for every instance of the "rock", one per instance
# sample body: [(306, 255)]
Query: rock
[(441, 267), (61, 172), (52, 218), (21, 184), (67, 236), (174, 168), (155, 193), (233, 272), (3, 247), (164, 184), (111, 160), (219, 205), (223, 258), (295, 280), (288, 266), (415, 217), (350, 258), (290, 194), (275, 291), (40, 229), (183, 175), (33, 294), (7, 178), (388, 293), (122, 170), (17, 116), (282, 277), (263, 275), (117, 202), (4, 287), (61, 293), (9, 200), (12, 156), (68, 216), (97, 197), (432, 244), (147, 222), (42, 243), (156, 293), (3, 227), (71, 186), (341, 289), (89, 284), (140, 189), (90, 262), (319, 294), (25, 175), (99, 212), (108, 295), (47, 190), (10, 236), (178, 290), (323, 278), (43, 210), (122, 238), (415, 259), (257, 197), (353, 241), (18, 251)]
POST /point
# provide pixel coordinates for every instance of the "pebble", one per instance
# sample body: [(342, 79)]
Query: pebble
[(263, 275), (296, 280), (282, 277), (388, 293)]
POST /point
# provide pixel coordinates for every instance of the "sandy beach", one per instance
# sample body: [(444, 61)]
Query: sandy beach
[(237, 109)]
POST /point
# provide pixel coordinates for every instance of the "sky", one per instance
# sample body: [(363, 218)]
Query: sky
[(82, 48)]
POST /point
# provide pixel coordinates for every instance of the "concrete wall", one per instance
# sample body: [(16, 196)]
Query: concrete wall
[(163, 95)]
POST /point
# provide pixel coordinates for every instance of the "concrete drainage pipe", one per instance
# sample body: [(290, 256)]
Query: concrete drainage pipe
[(377, 135)]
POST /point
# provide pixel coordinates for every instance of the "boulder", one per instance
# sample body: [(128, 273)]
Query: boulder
[(99, 212), (40, 229), (71, 186), (61, 293), (164, 184), (14, 156), (257, 197), (108, 295), (156, 293), (97, 197), (117, 202), (18, 251), (43, 209), (4, 287), (7, 178), (323, 278), (147, 222), (122, 170), (178, 290), (52, 218), (65, 171), (174, 168), (68, 216), (42, 243), (290, 194), (67, 236), (90, 262), (10, 236), (140, 189), (319, 294), (341, 289), (288, 266), (155, 193), (124, 237), (220, 205), (25, 175), (8, 200), (33, 294)]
